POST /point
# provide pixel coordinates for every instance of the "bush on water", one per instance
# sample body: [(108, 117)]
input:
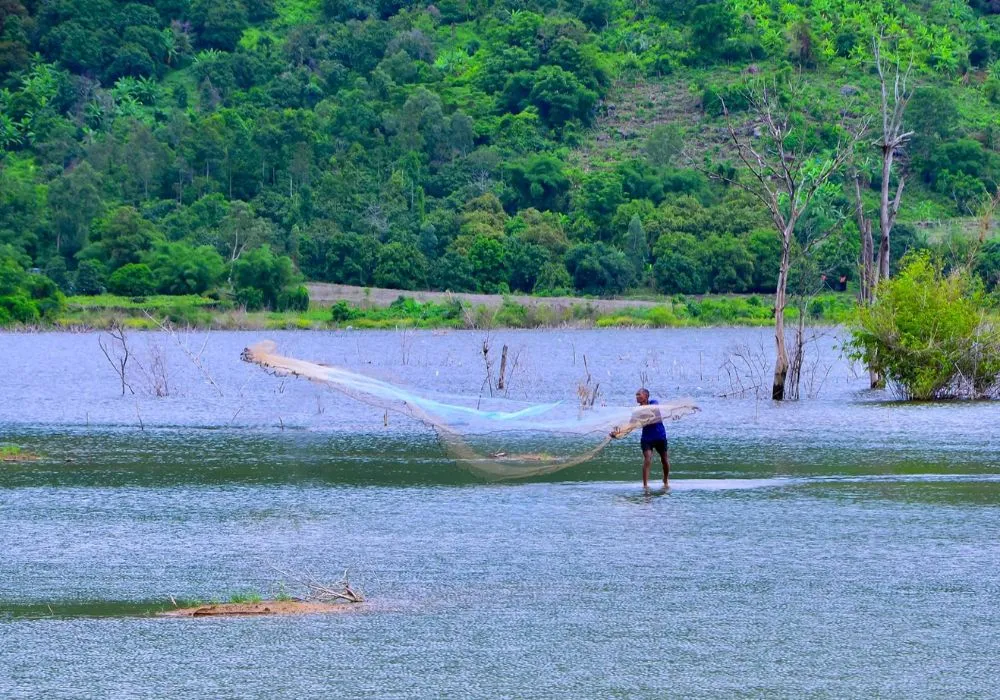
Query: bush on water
[(929, 334)]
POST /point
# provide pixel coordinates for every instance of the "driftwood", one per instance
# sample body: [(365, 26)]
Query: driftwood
[(317, 591)]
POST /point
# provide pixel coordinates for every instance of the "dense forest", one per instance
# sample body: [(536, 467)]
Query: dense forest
[(188, 146)]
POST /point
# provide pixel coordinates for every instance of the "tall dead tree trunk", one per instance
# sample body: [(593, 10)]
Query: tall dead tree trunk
[(780, 302), (785, 180), (867, 263), (892, 102), (874, 265), (893, 107)]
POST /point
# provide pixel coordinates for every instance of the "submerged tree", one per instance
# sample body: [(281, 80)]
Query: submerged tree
[(784, 170)]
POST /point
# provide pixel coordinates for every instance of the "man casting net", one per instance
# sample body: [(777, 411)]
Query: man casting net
[(461, 422)]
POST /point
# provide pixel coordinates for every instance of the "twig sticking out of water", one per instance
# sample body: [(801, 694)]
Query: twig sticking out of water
[(195, 358), (406, 336), (746, 369), (118, 354), (588, 391)]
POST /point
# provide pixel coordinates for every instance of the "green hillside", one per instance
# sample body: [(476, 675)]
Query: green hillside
[(183, 147)]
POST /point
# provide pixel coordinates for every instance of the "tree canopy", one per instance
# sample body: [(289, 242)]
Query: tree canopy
[(487, 147)]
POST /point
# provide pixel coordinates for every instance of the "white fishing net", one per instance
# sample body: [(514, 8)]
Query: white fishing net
[(462, 421)]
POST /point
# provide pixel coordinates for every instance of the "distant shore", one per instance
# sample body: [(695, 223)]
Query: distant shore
[(342, 306)]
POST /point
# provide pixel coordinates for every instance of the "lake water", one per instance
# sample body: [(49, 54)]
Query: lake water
[(843, 545)]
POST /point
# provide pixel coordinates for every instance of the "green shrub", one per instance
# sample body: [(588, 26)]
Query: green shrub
[(621, 322), (927, 334), (988, 264), (250, 298), (264, 271), (90, 277), (661, 316), (178, 268), (17, 308), (186, 315), (296, 299), (511, 315), (132, 280), (341, 312)]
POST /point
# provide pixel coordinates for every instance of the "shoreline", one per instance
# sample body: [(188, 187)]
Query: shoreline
[(355, 308)]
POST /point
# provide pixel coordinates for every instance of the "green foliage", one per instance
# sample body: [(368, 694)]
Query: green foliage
[(250, 298), (133, 280), (489, 264), (539, 182), (17, 308), (437, 145), (928, 334), (401, 266), (24, 297), (988, 264), (553, 279), (219, 23), (119, 238), (596, 268), (663, 144), (260, 276), (342, 311), (178, 268), (296, 299), (90, 276)]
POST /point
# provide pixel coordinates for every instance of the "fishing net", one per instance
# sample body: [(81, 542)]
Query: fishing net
[(462, 423)]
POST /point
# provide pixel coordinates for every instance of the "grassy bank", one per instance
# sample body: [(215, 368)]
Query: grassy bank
[(405, 312)]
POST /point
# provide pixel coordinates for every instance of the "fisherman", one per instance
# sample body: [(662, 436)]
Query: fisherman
[(654, 435)]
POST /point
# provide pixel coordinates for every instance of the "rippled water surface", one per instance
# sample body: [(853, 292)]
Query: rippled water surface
[(841, 546)]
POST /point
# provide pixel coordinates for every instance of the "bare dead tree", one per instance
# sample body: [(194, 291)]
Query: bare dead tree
[(894, 95), (746, 371), (154, 370), (503, 367), (785, 177), (406, 336), (807, 284), (508, 378), (195, 357), (117, 353), (588, 390), (817, 369), (893, 138)]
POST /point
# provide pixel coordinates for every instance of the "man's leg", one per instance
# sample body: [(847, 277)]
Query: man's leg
[(665, 461), (647, 460)]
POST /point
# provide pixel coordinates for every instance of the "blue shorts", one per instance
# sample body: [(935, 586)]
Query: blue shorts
[(659, 445)]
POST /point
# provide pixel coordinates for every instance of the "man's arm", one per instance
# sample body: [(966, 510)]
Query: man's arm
[(640, 418)]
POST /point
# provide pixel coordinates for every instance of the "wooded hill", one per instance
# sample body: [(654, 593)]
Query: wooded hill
[(527, 146)]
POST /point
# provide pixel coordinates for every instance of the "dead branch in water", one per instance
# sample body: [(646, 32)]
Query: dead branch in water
[(588, 391), (118, 354), (155, 374), (503, 367), (405, 344), (195, 358), (324, 592), (746, 370), (488, 368)]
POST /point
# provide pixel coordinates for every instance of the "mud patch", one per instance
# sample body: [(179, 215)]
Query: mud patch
[(265, 607), (15, 454)]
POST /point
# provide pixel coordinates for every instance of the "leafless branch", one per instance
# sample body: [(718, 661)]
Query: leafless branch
[(165, 326), (324, 592), (117, 353)]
